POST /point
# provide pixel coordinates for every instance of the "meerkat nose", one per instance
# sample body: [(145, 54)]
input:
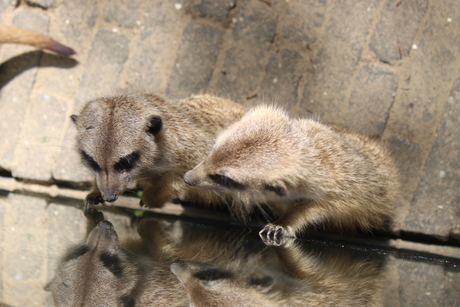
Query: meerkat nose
[(188, 179), (110, 197)]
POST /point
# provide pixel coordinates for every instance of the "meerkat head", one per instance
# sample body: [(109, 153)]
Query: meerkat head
[(117, 139), (254, 157), (95, 272), (213, 285)]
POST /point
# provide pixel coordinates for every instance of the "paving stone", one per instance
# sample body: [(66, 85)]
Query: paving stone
[(408, 158), (301, 21), (344, 36), (280, 83), (40, 140), (109, 52), (24, 293), (17, 76), (390, 282), (159, 38), (421, 284), (370, 101), (451, 286), (437, 197), (246, 58), (428, 78), (124, 12), (217, 10), (25, 226), (2, 240), (66, 227), (396, 29), (4, 4), (46, 4), (195, 60)]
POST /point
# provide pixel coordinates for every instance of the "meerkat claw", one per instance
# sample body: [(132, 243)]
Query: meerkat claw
[(273, 235)]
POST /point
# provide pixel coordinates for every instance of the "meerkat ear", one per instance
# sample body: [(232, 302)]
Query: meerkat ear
[(74, 118), (155, 124)]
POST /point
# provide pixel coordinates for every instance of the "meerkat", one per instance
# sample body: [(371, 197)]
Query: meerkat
[(300, 173), (317, 277), (12, 34), (102, 272), (152, 140)]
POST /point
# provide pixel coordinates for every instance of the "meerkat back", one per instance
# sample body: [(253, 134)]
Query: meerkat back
[(300, 173)]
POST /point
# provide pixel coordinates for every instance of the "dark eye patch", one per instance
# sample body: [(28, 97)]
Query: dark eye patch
[(212, 274), (76, 252), (90, 161), (112, 263), (277, 189), (127, 163), (226, 182), (261, 282)]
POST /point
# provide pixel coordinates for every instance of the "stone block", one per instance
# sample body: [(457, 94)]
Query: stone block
[(196, 57), (395, 31), (25, 238), (408, 158), (428, 78), (24, 293), (66, 227), (17, 77), (126, 13), (451, 286), (421, 284), (216, 10), (281, 80), (108, 54), (345, 34), (246, 58), (149, 67), (301, 22), (437, 197), (40, 140), (370, 101)]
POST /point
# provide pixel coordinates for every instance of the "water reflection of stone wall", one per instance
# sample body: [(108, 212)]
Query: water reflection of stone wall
[(36, 233)]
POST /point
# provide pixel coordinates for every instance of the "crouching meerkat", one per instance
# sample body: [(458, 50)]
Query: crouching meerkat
[(12, 34), (152, 140), (301, 172)]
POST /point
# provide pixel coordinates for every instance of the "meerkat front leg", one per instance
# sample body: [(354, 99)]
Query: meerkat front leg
[(295, 218), (159, 192), (92, 199)]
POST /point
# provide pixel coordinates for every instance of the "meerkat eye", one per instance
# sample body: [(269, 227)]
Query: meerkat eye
[(127, 163), (90, 161), (280, 191), (212, 274), (112, 263), (226, 182)]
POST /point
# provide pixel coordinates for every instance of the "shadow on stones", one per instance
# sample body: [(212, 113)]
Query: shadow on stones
[(23, 62)]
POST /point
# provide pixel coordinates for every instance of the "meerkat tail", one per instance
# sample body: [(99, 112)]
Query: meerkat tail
[(12, 34)]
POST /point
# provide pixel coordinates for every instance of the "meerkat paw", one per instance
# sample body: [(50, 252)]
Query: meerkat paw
[(275, 235), (90, 212)]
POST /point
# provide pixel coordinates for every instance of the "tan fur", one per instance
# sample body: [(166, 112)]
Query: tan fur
[(110, 128), (12, 34), (292, 278), (301, 172), (140, 279)]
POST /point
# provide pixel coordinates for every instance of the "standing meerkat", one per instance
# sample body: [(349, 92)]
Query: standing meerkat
[(12, 34), (303, 172), (152, 140)]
